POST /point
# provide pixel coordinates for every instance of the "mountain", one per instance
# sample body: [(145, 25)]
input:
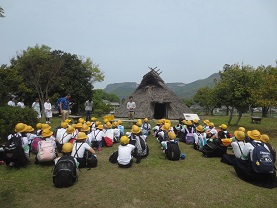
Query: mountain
[(186, 91)]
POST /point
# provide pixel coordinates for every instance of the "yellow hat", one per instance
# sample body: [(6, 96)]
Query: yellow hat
[(145, 119), (115, 124), (211, 124), (139, 123), (200, 128), (81, 120), (85, 128), (166, 127), (159, 121), (240, 135), (124, 140), (163, 120), (79, 125), (73, 125), (97, 123), (70, 129), (189, 123), (241, 129), (38, 126), (29, 129), (167, 121), (264, 138), (171, 135), (254, 134), (196, 121), (81, 136), (226, 142), (223, 126), (64, 125), (67, 121), (139, 120), (100, 127), (45, 126), (119, 122), (46, 133), (93, 119), (67, 147), (89, 123), (184, 121), (20, 127), (108, 125), (106, 120), (135, 129), (206, 122)]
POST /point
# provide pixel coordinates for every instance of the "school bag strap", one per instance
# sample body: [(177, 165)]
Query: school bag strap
[(76, 153)]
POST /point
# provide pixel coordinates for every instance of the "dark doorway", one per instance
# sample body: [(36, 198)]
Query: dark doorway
[(159, 110)]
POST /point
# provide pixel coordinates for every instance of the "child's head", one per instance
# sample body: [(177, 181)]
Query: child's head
[(93, 119), (264, 138), (81, 120), (145, 120), (64, 125), (70, 129), (240, 135), (254, 134), (171, 135), (38, 126), (46, 133), (200, 129), (100, 127), (85, 128), (29, 129), (20, 127), (108, 125), (135, 129), (166, 127), (81, 136), (124, 140), (223, 127), (67, 148)]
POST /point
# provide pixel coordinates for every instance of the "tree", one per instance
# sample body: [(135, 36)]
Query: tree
[(100, 107), (205, 97), (2, 12), (265, 93), (234, 88), (188, 102)]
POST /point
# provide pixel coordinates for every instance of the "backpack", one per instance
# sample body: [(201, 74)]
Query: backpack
[(262, 159), (113, 157), (165, 138), (64, 174), (213, 149), (34, 145), (108, 141), (91, 160), (173, 151), (46, 151), (189, 137), (14, 151), (141, 147)]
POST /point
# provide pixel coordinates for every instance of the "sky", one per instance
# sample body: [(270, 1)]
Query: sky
[(187, 40)]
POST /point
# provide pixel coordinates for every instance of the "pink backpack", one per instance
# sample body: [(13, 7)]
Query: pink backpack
[(34, 145), (46, 151)]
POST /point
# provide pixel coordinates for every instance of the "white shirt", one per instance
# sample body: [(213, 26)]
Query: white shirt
[(125, 154), (197, 135), (238, 147), (48, 108), (81, 147), (110, 134), (88, 105), (21, 104), (131, 106), (96, 135), (11, 103), (62, 136)]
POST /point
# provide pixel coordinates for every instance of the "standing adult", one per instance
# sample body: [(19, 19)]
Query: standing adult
[(88, 109), (36, 107), (21, 103), (64, 106), (48, 110), (11, 102), (131, 105)]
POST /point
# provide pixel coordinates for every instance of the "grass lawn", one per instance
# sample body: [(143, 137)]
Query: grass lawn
[(155, 182)]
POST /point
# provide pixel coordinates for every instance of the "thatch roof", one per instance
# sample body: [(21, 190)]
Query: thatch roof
[(153, 92)]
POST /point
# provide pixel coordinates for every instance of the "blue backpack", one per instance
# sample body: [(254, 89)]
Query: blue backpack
[(262, 159)]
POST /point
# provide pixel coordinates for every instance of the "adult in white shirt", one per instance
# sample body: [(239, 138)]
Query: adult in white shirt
[(11, 102), (48, 110), (131, 105), (88, 109), (79, 148), (125, 150), (36, 107), (21, 103)]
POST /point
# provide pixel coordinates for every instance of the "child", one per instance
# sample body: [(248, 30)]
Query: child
[(223, 133), (170, 147), (79, 149), (163, 135), (64, 138), (96, 137), (146, 127), (38, 129), (156, 129), (125, 150), (199, 138), (121, 127), (188, 133), (265, 140), (116, 131)]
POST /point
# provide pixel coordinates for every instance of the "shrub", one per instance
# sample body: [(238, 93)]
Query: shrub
[(10, 116)]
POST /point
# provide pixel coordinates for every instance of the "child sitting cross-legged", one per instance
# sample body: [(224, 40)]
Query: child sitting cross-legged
[(125, 151)]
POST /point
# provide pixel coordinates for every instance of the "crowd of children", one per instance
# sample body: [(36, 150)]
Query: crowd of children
[(78, 144)]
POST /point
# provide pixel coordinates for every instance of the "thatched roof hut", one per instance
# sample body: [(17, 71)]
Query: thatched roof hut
[(154, 100)]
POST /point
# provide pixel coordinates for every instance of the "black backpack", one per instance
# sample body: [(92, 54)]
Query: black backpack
[(91, 160), (13, 148), (142, 148), (64, 174), (173, 151)]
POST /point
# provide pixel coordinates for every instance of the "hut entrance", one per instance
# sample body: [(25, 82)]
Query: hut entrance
[(159, 110)]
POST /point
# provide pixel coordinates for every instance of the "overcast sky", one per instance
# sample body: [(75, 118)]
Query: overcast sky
[(187, 39)]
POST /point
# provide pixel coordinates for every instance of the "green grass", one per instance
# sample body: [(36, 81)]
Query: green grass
[(155, 182)]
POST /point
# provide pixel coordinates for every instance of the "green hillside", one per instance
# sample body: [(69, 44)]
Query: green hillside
[(186, 91)]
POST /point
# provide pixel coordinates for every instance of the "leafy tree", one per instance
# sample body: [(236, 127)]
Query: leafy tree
[(205, 97), (265, 92), (188, 102), (2, 12), (234, 88)]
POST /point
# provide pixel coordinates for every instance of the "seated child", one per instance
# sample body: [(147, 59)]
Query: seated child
[(125, 151)]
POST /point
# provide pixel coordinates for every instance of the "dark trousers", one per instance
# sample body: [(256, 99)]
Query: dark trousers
[(126, 166)]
